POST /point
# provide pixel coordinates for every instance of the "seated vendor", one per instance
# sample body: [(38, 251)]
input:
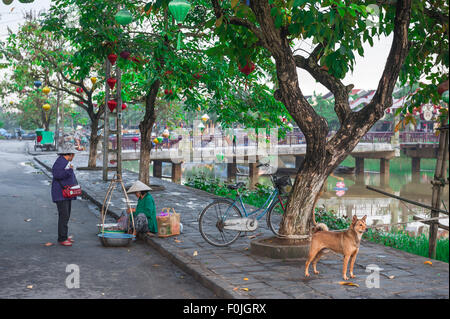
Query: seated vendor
[(144, 214)]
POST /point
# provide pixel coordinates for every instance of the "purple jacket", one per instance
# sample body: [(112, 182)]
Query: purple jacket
[(61, 176)]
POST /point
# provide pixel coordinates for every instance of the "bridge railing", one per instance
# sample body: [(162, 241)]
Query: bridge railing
[(293, 138)]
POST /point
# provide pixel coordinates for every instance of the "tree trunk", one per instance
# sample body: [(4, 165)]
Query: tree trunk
[(145, 127)]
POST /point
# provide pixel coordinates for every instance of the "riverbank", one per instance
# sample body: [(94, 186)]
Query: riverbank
[(396, 238)]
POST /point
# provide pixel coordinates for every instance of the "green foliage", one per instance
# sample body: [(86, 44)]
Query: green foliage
[(330, 219), (418, 245)]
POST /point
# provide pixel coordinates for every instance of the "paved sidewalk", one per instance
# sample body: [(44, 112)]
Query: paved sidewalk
[(227, 271)]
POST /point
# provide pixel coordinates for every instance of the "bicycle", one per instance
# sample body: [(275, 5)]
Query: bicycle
[(222, 221)]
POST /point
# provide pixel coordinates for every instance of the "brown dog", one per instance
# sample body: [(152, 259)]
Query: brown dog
[(345, 242)]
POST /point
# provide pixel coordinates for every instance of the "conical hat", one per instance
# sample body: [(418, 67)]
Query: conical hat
[(138, 186)]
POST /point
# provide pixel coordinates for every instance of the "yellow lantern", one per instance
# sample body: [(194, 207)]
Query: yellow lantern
[(155, 140), (46, 107), (46, 90), (93, 80), (11, 102)]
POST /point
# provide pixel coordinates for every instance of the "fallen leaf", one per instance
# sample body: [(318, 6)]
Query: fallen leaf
[(236, 288), (245, 289), (391, 277), (246, 248), (195, 253), (245, 279), (347, 283), (48, 244), (177, 241), (30, 287), (39, 231), (428, 262), (156, 265), (27, 220)]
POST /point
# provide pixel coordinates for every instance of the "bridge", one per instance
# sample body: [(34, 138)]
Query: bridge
[(220, 149)]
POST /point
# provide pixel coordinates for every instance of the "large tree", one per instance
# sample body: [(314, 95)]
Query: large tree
[(338, 30)]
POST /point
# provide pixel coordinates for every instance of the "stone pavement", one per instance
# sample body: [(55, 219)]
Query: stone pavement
[(233, 272)]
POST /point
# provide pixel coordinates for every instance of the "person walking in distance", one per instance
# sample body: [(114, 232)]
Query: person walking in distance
[(63, 175)]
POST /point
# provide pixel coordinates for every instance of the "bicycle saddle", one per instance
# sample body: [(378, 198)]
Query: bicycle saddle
[(236, 186)]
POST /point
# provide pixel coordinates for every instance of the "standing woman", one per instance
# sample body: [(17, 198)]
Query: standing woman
[(63, 175)]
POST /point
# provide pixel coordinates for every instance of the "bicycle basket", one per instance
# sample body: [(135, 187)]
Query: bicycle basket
[(284, 185)]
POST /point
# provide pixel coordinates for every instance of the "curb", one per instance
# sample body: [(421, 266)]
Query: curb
[(208, 279)]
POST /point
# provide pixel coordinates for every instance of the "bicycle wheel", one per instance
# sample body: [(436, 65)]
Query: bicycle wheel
[(211, 223), (274, 217)]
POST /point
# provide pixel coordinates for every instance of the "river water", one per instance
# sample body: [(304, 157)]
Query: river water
[(353, 197)]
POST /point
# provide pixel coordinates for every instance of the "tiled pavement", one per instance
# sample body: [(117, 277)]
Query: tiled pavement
[(223, 270)]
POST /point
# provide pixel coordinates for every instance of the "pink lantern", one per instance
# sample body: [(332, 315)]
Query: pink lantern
[(124, 106)]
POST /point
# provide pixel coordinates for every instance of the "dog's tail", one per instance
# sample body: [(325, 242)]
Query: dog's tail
[(319, 227)]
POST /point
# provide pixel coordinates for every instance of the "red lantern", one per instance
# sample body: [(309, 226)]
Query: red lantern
[(388, 111), (124, 106), (125, 55), (112, 105), (79, 90), (248, 68), (111, 82), (135, 139), (112, 58), (167, 92)]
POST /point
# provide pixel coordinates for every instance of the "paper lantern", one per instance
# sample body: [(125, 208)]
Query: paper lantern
[(46, 107), (445, 96), (112, 58), (135, 139), (93, 80), (112, 105), (111, 82), (167, 92), (166, 133), (79, 90), (248, 68), (123, 17), (179, 9), (7, 2), (124, 106), (205, 117), (125, 55), (46, 90), (155, 140), (37, 83), (160, 139)]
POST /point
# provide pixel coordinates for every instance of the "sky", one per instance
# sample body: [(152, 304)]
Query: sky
[(367, 71)]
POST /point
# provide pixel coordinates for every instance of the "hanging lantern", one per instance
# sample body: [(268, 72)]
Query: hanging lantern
[(179, 10), (168, 92), (46, 90), (125, 55), (79, 90), (205, 117), (155, 140), (248, 68), (135, 139), (112, 58), (7, 2), (123, 17), (160, 139), (124, 106), (46, 107), (112, 105), (166, 133), (445, 96), (111, 82), (37, 83), (93, 80)]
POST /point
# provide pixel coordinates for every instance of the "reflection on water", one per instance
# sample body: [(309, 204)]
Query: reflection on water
[(356, 199)]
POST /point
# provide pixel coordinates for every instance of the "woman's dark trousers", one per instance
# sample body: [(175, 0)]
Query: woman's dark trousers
[(64, 207)]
